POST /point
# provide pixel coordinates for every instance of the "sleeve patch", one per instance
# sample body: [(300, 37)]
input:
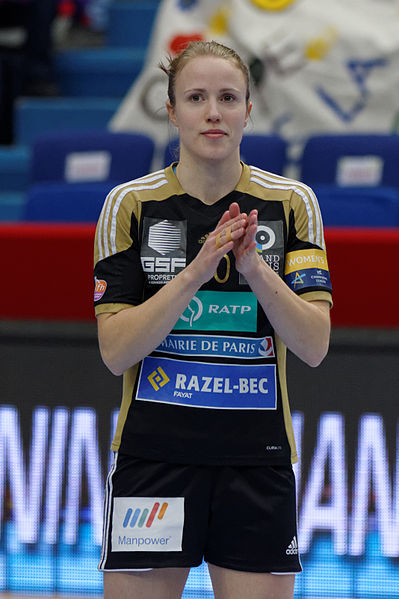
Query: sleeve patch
[(307, 269), (99, 288)]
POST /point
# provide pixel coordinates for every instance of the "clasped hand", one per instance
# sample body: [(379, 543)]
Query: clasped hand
[(235, 231)]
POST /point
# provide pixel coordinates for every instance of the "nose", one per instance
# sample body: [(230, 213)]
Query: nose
[(213, 110)]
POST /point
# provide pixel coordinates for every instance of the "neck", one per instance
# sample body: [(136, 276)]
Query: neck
[(208, 181)]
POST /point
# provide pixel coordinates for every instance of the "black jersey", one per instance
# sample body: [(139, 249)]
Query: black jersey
[(214, 391)]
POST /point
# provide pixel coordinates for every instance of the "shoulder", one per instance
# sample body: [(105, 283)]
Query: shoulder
[(123, 204), (299, 201), (124, 200), (138, 189), (275, 186)]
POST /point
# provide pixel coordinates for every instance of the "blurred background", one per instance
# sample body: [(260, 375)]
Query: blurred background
[(82, 108)]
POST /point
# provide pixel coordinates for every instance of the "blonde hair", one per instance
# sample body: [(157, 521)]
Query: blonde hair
[(194, 50)]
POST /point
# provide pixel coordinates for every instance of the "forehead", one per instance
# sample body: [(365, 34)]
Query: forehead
[(205, 71)]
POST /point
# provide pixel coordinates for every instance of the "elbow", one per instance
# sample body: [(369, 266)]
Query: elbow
[(318, 350), (316, 357), (111, 363), (115, 370), (315, 361), (108, 336)]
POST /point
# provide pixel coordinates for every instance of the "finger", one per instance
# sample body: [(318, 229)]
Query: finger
[(251, 229), (227, 234), (250, 233), (248, 240), (236, 222), (234, 209), (233, 231), (253, 217), (226, 217)]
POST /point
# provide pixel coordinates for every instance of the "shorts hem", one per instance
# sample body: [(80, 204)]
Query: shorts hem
[(149, 568), (125, 569), (255, 569), (285, 573)]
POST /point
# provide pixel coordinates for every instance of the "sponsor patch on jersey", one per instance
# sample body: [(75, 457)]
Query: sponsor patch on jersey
[(100, 287), (246, 348), (215, 310), (163, 249), (147, 523), (269, 239), (204, 385), (307, 268)]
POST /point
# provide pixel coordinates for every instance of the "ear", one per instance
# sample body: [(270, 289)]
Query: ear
[(171, 113), (248, 113)]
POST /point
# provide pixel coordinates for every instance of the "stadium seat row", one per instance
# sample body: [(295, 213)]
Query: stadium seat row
[(80, 202), (111, 69), (354, 176), (345, 160)]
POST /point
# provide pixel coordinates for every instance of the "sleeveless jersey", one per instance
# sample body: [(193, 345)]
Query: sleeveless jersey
[(214, 391)]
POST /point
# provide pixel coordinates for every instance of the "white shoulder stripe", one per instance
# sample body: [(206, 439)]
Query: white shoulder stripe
[(108, 247), (150, 177), (271, 181), (118, 203)]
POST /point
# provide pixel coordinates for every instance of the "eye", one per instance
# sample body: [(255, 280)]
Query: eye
[(195, 98), (228, 98)]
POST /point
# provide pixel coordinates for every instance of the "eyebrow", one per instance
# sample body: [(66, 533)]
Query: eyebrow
[(224, 90)]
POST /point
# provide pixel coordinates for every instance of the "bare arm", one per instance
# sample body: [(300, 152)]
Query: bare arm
[(303, 326), (126, 337)]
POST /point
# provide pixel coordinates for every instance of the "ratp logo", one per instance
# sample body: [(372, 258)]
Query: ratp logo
[(216, 310), (144, 517), (194, 309)]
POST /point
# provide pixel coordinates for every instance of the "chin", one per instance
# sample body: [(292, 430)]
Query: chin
[(217, 153)]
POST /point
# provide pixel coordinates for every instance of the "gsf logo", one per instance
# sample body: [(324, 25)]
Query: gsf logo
[(162, 264), (163, 249)]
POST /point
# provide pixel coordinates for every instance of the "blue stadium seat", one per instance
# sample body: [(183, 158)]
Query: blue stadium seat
[(14, 168), (268, 152), (171, 152), (130, 23), (358, 206), (65, 202), (35, 116), (91, 156), (98, 72), (351, 160), (11, 205)]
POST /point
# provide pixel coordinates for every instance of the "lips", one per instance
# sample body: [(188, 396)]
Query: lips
[(214, 133)]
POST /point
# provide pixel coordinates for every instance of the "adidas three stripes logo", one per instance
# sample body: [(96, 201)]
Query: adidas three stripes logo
[(292, 548)]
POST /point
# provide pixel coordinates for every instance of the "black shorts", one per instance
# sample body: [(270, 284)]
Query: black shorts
[(161, 515)]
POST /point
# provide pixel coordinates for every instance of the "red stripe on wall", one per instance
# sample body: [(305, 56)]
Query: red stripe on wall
[(46, 273)]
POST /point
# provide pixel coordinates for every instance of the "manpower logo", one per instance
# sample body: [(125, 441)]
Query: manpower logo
[(147, 523), (144, 517)]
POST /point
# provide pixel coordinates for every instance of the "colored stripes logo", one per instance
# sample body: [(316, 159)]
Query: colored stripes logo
[(144, 517)]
